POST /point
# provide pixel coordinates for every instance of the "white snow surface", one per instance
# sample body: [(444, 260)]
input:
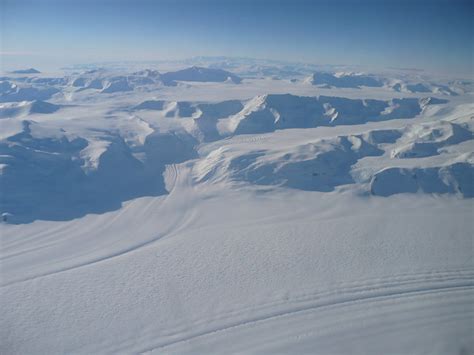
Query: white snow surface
[(201, 216)]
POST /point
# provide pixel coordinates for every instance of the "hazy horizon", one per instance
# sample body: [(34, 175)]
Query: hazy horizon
[(435, 36)]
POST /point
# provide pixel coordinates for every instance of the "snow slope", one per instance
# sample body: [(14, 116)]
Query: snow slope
[(265, 217)]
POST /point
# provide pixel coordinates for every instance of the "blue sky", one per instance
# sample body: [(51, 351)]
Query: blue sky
[(435, 35)]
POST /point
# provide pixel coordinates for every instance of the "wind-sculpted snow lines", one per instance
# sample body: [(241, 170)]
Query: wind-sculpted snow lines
[(395, 287), (328, 307), (171, 227)]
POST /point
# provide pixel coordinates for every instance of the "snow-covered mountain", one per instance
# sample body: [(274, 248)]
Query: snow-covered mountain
[(267, 113), (25, 108), (26, 71), (344, 80), (187, 214), (359, 80), (200, 74), (10, 92)]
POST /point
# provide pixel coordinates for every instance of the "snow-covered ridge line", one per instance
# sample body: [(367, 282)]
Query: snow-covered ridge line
[(91, 159), (360, 80), (267, 113), (113, 81), (100, 123)]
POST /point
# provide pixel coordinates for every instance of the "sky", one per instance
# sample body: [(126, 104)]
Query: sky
[(433, 35)]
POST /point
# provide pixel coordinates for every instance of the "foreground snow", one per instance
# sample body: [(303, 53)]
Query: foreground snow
[(230, 216)]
